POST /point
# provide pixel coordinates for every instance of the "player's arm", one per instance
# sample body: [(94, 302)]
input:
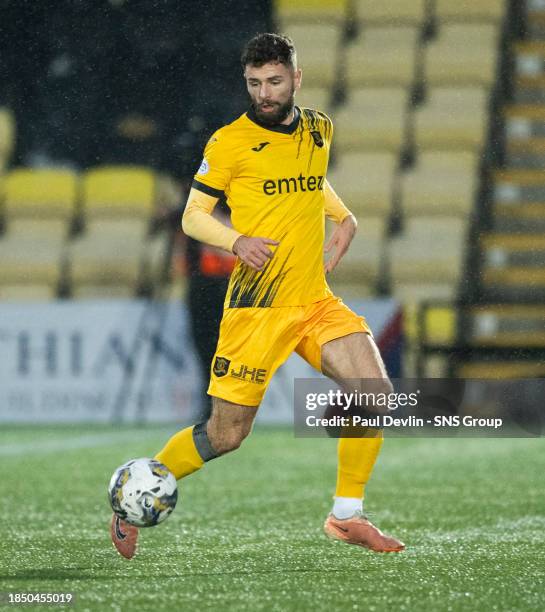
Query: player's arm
[(345, 230), (199, 223)]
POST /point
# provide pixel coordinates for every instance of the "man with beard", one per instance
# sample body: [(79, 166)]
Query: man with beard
[(271, 165)]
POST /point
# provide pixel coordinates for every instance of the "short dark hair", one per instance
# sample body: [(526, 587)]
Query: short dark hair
[(265, 48)]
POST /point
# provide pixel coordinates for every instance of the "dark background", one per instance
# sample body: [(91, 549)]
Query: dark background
[(123, 81)]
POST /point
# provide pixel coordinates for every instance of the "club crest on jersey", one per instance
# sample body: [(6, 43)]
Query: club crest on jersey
[(221, 366), (204, 167), (318, 140)]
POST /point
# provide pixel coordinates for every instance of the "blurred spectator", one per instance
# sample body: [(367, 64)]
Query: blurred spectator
[(208, 270)]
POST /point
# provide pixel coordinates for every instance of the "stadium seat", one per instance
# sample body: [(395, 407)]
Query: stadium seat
[(356, 290), (412, 293), (382, 56), (318, 98), (365, 182), (309, 11), (317, 52), (7, 137), (470, 10), (508, 325), (102, 291), (439, 326), (442, 183), (39, 207), (508, 369), (118, 191), (40, 194), (392, 12), (29, 260), (23, 293), (111, 253), (463, 55), (429, 252), (118, 204), (361, 263), (372, 119), (452, 118)]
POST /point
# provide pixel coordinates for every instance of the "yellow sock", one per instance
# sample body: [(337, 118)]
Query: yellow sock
[(356, 457), (180, 454)]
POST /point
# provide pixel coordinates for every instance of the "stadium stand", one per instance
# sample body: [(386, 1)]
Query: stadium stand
[(463, 54), (398, 12), (501, 325), (39, 209), (422, 104), (372, 119), (361, 264), (319, 98), (118, 204), (470, 10), (452, 118), (311, 11), (367, 182), (382, 56), (443, 183), (317, 50)]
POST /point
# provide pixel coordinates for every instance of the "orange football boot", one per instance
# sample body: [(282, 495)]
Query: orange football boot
[(124, 537), (360, 531)]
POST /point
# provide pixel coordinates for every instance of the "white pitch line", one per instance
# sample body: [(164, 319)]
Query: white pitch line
[(87, 441)]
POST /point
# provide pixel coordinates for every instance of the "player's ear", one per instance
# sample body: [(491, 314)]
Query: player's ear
[(298, 78)]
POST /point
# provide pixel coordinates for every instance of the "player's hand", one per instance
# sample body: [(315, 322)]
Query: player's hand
[(253, 251), (340, 241)]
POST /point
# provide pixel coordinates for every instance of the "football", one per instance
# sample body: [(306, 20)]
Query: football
[(143, 492)]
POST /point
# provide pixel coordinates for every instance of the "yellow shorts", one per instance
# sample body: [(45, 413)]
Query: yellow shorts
[(255, 342)]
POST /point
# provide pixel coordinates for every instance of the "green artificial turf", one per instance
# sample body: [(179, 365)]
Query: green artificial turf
[(247, 532)]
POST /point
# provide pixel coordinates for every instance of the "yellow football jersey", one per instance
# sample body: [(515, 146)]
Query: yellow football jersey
[(273, 179)]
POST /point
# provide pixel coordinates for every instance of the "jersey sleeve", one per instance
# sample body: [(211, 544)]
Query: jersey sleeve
[(199, 223), (334, 206), (217, 167)]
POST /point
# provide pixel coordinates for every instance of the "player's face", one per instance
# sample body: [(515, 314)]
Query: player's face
[(272, 91)]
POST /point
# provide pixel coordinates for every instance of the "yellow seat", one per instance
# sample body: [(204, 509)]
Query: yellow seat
[(391, 12), (442, 184), (102, 291), (25, 293), (7, 137), (118, 191), (39, 206), (356, 289), (318, 98), (463, 55), (452, 118), (30, 261), (382, 56), (430, 250), (502, 369), (372, 119), (365, 182), (42, 194), (440, 326), (317, 51), (470, 10), (413, 291), (361, 263), (309, 11)]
